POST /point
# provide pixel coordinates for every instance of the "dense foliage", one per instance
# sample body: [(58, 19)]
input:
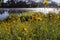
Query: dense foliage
[(31, 26)]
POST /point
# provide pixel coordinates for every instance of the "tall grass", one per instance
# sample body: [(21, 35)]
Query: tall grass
[(31, 26)]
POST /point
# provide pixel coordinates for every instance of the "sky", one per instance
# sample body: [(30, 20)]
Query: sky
[(58, 1), (5, 1)]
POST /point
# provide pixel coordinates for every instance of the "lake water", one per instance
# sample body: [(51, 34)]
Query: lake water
[(44, 10)]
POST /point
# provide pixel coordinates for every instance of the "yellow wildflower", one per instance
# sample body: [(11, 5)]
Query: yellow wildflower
[(19, 38), (45, 2), (29, 38), (58, 17)]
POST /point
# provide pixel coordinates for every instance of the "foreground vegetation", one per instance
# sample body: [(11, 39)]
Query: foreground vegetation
[(31, 26)]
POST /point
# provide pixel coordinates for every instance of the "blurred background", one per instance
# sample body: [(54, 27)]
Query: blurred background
[(29, 3), (20, 10)]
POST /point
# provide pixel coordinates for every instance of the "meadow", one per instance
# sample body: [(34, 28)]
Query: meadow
[(31, 26)]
